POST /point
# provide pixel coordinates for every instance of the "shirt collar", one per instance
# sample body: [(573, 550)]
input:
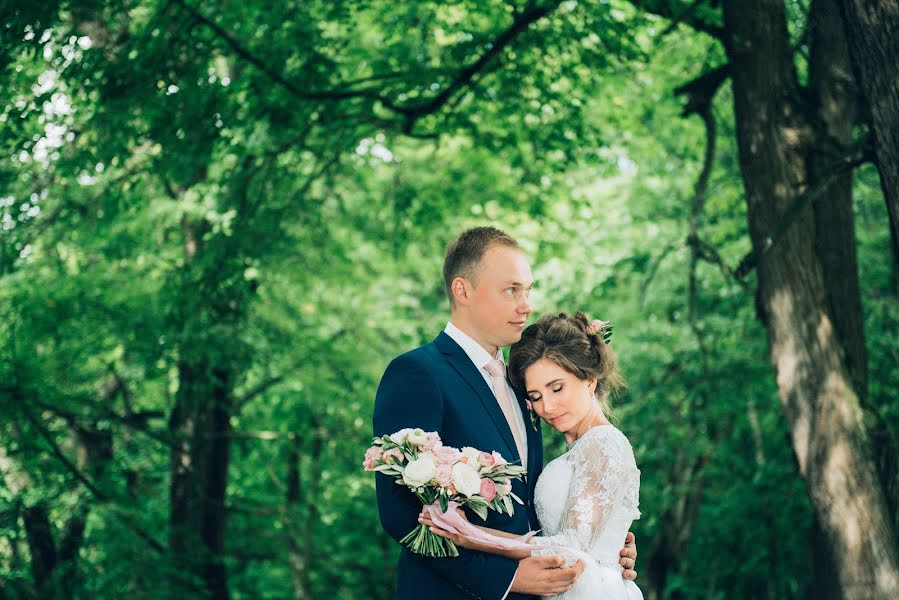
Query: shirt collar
[(474, 350)]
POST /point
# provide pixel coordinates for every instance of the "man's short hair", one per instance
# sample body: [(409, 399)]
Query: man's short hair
[(464, 254)]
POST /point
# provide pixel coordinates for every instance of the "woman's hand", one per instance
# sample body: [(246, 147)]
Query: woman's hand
[(426, 513), (457, 538)]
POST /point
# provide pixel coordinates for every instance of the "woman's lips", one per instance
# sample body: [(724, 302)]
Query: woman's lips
[(554, 420)]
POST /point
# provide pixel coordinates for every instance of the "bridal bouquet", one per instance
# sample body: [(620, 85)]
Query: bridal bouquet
[(439, 475)]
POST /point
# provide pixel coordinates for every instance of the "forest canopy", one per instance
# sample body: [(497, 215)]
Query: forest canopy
[(219, 222)]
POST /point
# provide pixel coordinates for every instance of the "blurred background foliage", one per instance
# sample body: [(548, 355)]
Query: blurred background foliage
[(221, 220)]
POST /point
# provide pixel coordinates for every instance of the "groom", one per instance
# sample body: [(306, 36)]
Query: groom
[(456, 385)]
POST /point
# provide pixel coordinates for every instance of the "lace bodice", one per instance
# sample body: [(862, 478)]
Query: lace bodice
[(587, 498)]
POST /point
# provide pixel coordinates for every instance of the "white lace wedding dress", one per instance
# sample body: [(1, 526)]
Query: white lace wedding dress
[(586, 501)]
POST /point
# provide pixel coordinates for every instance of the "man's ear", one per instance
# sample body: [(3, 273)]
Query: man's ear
[(461, 289)]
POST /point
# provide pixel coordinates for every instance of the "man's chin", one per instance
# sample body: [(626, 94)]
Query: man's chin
[(512, 339)]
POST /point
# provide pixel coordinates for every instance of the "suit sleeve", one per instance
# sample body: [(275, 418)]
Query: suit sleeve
[(409, 397)]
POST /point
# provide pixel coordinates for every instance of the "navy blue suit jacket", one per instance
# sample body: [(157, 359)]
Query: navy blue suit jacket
[(436, 387)]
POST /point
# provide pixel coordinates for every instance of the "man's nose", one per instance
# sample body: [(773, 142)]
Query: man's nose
[(524, 306)]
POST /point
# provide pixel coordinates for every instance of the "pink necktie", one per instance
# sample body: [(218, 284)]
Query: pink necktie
[(497, 371)]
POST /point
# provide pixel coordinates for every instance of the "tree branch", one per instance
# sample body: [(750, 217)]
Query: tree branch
[(687, 16), (706, 252), (859, 154), (520, 24), (654, 269), (704, 110), (99, 495), (60, 455), (240, 50), (701, 90), (411, 111)]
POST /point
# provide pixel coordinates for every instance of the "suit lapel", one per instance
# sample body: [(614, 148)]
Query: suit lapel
[(457, 358)]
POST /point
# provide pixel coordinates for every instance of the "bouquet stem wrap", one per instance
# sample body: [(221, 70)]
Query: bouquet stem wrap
[(452, 522)]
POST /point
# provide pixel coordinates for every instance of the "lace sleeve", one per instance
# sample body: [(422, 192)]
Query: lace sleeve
[(600, 461)]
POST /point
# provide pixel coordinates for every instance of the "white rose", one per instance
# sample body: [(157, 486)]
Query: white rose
[(470, 455), (500, 461), (466, 479), (417, 437), (420, 471), (400, 436)]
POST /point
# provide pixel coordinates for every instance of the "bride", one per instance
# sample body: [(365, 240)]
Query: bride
[(587, 498)]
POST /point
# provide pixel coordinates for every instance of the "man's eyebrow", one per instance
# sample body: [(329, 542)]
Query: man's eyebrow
[(519, 284)]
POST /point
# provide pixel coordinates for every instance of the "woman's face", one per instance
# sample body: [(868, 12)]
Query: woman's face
[(558, 397)]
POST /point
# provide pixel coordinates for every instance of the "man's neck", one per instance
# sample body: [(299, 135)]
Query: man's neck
[(462, 326)]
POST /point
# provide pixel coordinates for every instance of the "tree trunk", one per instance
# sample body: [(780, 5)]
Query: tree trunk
[(774, 578), (299, 553), (39, 534), (834, 94), (872, 28), (818, 397), (200, 422)]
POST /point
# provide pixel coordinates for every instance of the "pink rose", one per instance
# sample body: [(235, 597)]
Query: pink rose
[(503, 489), (432, 440), (372, 456), (393, 456), (446, 454), (488, 490), (486, 460), (500, 461), (444, 475)]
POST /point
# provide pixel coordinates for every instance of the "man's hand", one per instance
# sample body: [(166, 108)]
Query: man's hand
[(545, 576), (629, 556)]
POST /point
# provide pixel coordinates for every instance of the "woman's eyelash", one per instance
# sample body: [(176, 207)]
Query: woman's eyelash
[(558, 389)]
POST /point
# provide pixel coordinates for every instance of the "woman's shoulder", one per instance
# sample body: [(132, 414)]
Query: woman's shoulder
[(606, 439)]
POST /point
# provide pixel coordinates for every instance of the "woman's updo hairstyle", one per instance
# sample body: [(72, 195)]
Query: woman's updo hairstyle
[(572, 344)]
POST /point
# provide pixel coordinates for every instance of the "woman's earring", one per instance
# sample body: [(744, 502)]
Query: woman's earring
[(535, 420)]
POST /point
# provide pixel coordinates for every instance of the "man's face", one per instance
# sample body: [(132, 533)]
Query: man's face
[(499, 301)]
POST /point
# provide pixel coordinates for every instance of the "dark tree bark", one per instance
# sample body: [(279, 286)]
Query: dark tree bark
[(772, 582), (200, 422), (39, 534), (833, 96), (872, 28), (676, 524), (54, 566), (819, 399), (299, 552)]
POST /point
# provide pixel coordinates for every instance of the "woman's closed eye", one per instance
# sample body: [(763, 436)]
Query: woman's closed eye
[(558, 388)]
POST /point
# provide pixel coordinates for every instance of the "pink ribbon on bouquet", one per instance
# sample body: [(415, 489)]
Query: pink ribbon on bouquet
[(452, 522)]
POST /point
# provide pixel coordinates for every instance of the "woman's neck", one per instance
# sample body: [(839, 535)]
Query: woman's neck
[(593, 418)]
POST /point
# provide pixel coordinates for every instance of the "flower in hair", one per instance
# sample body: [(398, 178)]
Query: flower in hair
[(603, 328)]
